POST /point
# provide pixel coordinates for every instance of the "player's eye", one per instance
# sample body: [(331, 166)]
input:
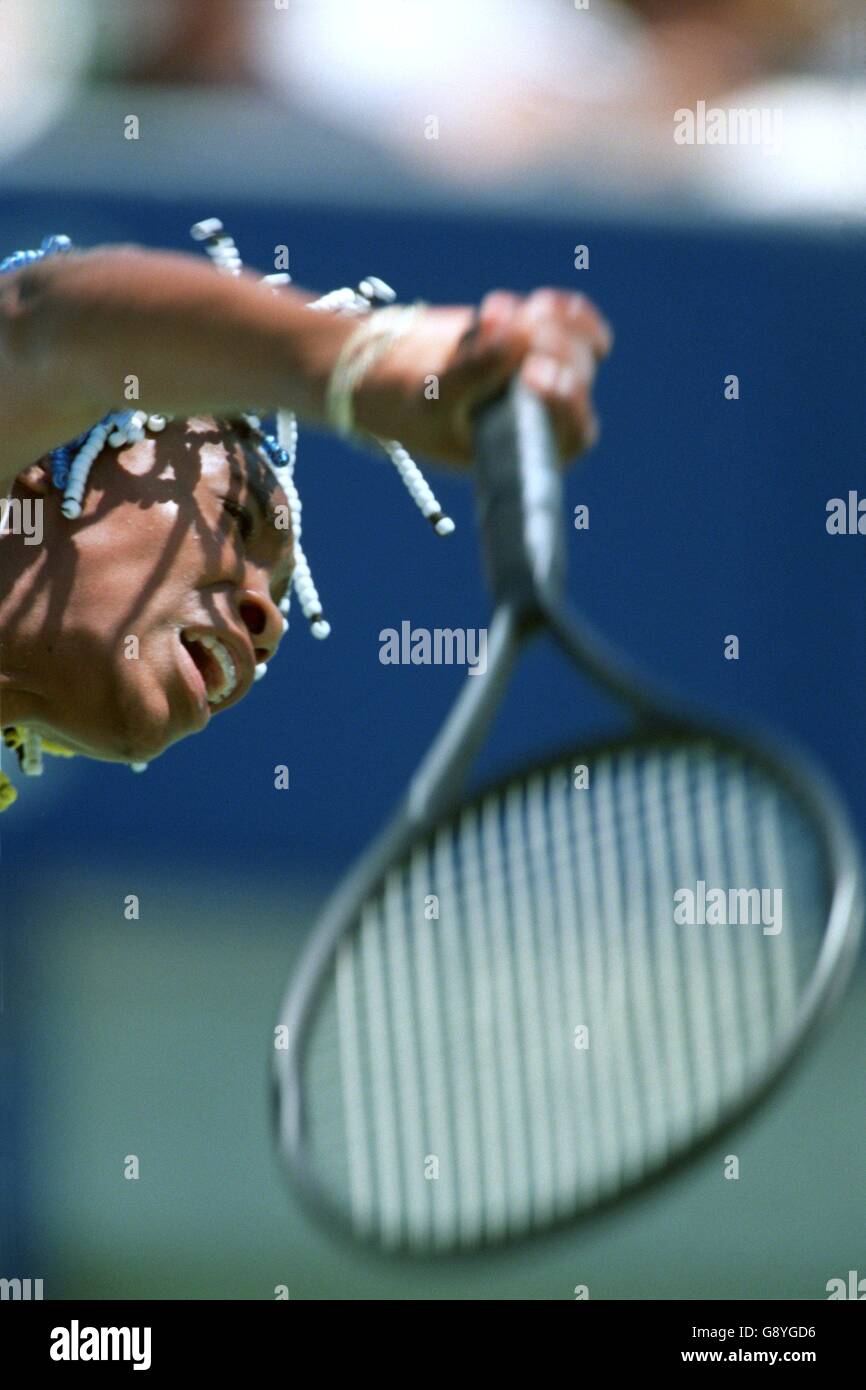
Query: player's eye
[(241, 515)]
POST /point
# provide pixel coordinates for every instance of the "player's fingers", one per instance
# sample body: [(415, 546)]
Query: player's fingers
[(559, 312), (491, 317), (497, 309), (565, 388), (495, 344), (482, 369)]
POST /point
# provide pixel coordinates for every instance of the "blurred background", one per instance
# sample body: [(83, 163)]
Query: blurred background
[(449, 149)]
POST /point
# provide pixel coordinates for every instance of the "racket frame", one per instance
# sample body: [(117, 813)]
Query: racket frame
[(520, 511)]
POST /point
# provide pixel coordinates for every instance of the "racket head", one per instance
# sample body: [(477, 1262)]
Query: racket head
[(500, 1028)]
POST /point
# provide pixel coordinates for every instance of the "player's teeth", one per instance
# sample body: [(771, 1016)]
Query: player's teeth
[(227, 666)]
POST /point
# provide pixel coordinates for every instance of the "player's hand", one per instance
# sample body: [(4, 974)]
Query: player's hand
[(424, 389)]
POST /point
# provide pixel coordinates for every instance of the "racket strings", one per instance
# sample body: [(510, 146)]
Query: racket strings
[(518, 1027)]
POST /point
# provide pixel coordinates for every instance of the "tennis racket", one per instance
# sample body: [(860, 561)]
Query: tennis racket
[(631, 942)]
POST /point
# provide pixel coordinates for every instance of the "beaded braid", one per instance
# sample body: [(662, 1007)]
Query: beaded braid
[(71, 462)]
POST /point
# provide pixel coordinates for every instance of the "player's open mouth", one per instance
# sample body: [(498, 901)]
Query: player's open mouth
[(214, 663)]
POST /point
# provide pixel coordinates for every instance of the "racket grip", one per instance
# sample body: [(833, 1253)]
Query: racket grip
[(519, 491)]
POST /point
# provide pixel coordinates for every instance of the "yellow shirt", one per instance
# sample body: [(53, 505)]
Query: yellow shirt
[(13, 738)]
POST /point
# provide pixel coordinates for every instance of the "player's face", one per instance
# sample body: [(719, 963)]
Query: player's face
[(159, 602)]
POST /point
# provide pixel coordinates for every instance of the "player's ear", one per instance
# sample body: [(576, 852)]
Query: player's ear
[(37, 477)]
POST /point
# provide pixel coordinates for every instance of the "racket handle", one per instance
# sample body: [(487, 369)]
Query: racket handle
[(519, 490)]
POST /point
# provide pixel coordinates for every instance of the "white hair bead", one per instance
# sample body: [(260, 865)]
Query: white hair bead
[(135, 428), (374, 288), (31, 754), (211, 226), (261, 670), (130, 426), (417, 487), (344, 301)]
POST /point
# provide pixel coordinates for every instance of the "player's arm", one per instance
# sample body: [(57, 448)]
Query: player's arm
[(73, 329)]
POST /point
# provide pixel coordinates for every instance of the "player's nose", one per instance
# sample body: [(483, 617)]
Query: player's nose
[(263, 621)]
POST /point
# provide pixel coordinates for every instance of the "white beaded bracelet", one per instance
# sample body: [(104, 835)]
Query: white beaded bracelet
[(372, 339)]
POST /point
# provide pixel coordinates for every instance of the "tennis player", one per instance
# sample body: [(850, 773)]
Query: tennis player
[(151, 603)]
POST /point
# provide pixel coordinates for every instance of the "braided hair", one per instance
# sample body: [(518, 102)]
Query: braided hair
[(71, 462)]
